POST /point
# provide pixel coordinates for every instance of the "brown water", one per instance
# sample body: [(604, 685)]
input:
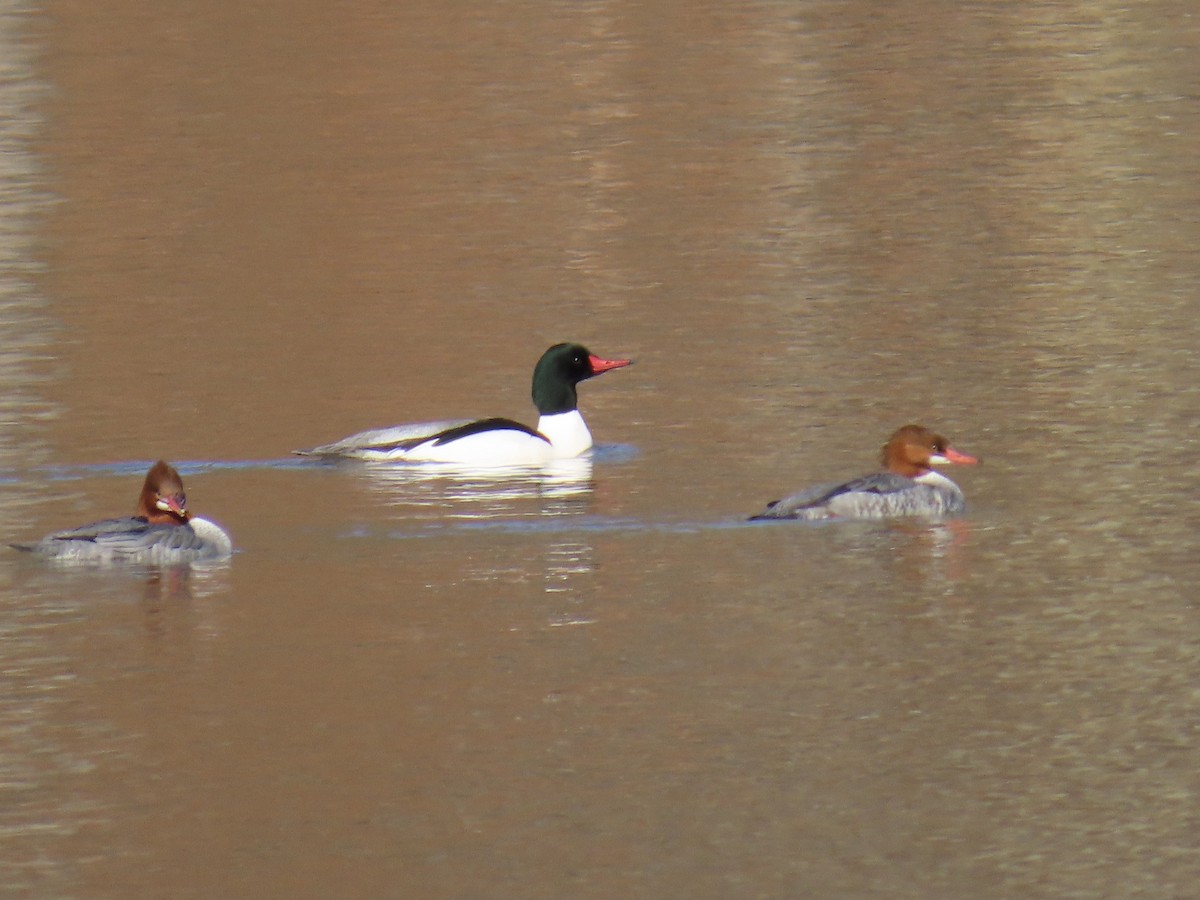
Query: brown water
[(230, 229)]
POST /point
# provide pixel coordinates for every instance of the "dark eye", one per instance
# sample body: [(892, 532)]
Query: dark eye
[(183, 499)]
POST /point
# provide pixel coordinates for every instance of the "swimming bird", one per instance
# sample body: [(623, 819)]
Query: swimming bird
[(161, 531), (561, 432), (908, 486)]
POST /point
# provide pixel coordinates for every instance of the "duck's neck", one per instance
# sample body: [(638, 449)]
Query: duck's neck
[(936, 479), (554, 396), (567, 432)]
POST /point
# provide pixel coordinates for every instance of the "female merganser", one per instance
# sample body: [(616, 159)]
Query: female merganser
[(909, 487), (561, 432), (162, 531)]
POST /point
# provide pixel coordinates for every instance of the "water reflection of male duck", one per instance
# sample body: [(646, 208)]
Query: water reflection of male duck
[(476, 490), (907, 487), (561, 432), (161, 531)]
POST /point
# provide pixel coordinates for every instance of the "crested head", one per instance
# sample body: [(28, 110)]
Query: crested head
[(162, 501), (911, 450), (562, 367)]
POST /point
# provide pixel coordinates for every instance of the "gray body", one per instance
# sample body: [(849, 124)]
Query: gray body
[(133, 539), (878, 496)]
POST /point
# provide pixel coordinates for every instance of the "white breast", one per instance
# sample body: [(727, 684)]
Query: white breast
[(568, 433)]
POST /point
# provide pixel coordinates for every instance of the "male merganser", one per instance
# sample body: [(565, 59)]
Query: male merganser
[(162, 531), (908, 487), (561, 432)]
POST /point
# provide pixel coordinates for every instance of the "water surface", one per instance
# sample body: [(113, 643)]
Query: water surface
[(228, 231)]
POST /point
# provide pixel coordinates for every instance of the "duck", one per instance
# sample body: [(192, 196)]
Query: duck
[(907, 486), (162, 531), (561, 432)]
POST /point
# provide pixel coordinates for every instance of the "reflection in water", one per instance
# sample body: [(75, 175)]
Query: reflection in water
[(560, 488), (517, 499), (823, 218), (198, 580), (55, 746), (933, 555), (598, 62), (37, 807), (33, 809), (564, 562), (38, 579), (197, 590), (25, 331)]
